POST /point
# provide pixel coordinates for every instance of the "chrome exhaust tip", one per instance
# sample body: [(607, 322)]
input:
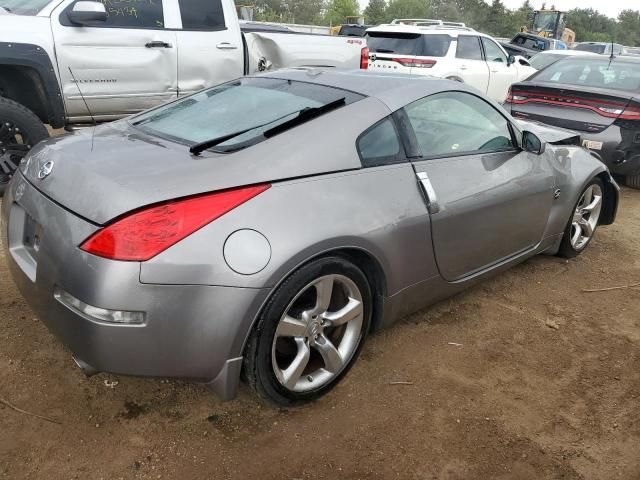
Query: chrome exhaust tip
[(87, 369)]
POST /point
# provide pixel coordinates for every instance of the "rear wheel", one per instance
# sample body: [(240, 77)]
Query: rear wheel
[(633, 181), (20, 129), (584, 220), (310, 333)]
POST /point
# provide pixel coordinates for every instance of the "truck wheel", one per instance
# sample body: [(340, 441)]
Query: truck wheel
[(20, 129), (633, 181)]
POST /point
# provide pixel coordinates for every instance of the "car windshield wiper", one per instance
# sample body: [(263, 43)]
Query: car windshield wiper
[(198, 148), (303, 116)]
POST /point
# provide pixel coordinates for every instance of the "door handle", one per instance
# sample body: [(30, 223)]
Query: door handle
[(430, 193), (463, 67), (158, 44), (226, 46)]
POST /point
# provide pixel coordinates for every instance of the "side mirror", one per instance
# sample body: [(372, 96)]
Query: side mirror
[(87, 12), (531, 143), (511, 60)]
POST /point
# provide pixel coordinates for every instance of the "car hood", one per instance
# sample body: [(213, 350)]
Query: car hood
[(104, 172)]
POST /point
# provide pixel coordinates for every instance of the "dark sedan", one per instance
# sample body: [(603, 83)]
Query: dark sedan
[(597, 96)]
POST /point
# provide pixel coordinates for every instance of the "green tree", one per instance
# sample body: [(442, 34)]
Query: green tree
[(375, 12), (408, 9), (338, 11), (305, 11), (628, 28)]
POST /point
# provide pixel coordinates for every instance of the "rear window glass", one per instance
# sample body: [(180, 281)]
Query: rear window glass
[(408, 43), (603, 73), (249, 105), (591, 47), (543, 60), (531, 43), (353, 30)]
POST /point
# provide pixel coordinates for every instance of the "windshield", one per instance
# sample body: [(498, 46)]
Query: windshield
[(24, 7), (545, 22), (615, 75), (591, 47), (250, 105), (408, 43)]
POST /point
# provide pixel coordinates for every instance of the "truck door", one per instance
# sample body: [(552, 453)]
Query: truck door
[(123, 65), (209, 44)]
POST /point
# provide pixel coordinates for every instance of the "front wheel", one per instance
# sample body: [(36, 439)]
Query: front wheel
[(584, 220), (310, 332), (20, 129)]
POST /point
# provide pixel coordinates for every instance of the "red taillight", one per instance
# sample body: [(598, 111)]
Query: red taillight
[(142, 235), (605, 108), (414, 62), (364, 58)]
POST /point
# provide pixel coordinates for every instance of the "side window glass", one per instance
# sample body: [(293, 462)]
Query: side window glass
[(457, 123), (493, 52), (203, 15), (380, 145), (127, 14), (468, 48)]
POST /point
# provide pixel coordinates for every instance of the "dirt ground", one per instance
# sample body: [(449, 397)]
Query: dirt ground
[(525, 376)]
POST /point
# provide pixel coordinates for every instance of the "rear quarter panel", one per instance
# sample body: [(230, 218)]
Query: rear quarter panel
[(272, 51), (379, 211)]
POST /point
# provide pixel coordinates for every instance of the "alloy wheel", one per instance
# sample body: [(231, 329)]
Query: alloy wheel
[(14, 145), (318, 334), (585, 216)]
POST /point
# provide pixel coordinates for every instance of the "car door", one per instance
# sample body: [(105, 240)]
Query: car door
[(123, 65), (209, 44), (472, 69), (502, 74), (488, 200)]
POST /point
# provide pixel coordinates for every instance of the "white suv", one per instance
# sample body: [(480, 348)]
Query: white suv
[(447, 50)]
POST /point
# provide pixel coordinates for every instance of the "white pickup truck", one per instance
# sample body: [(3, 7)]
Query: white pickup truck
[(64, 61)]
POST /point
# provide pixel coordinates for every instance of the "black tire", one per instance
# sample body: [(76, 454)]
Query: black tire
[(567, 250), (20, 129), (633, 181), (258, 365)]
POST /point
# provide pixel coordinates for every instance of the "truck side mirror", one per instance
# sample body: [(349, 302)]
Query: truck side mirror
[(511, 60), (87, 12), (531, 143)]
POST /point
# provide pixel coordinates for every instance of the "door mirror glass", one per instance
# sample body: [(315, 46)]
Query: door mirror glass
[(532, 143), (88, 12), (511, 60)]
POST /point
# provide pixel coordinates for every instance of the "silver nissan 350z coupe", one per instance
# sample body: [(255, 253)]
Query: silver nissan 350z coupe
[(267, 225)]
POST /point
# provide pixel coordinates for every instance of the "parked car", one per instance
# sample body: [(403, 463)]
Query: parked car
[(544, 59), (77, 61), (595, 95), (453, 52), (528, 45), (224, 231), (602, 48)]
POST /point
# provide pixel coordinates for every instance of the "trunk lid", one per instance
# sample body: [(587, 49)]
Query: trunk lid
[(568, 106), (103, 173)]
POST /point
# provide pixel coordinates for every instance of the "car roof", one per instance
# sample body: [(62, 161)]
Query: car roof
[(425, 30), (394, 90)]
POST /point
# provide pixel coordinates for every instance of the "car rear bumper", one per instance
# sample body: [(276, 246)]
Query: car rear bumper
[(189, 331)]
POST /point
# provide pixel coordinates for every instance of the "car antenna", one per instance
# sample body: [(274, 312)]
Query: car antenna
[(93, 119)]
